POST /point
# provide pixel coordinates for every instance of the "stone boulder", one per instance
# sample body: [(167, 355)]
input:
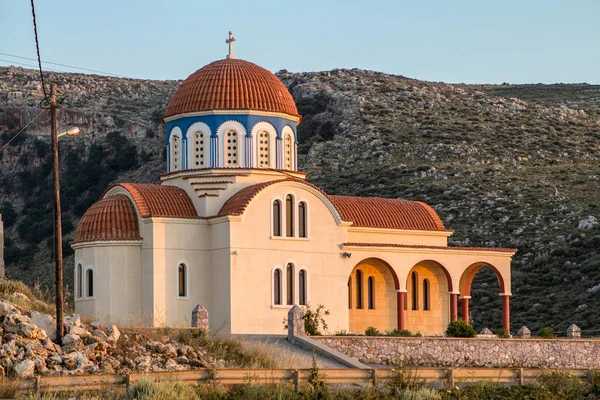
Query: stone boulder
[(71, 343), (5, 308), (15, 322), (24, 369), (72, 320), (79, 331), (113, 334), (45, 322)]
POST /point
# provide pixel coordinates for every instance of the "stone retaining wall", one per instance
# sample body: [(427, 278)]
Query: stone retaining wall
[(475, 352)]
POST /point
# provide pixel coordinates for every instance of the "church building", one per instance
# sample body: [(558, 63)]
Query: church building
[(235, 227)]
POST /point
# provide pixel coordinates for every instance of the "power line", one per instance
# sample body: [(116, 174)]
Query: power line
[(65, 65), (22, 129), (30, 65), (37, 47)]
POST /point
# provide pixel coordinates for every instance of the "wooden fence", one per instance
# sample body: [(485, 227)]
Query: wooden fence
[(439, 376)]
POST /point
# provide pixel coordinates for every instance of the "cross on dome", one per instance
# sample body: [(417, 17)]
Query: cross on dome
[(230, 43)]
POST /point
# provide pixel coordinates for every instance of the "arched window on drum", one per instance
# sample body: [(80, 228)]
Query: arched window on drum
[(199, 144), (264, 149), (231, 143), (288, 152), (175, 152)]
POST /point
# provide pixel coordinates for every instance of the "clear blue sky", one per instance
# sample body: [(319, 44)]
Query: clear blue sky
[(479, 41)]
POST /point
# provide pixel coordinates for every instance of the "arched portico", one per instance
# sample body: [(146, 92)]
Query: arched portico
[(373, 296), (428, 307), (466, 281)]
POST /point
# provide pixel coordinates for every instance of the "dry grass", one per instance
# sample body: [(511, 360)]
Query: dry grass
[(28, 299), (283, 357)]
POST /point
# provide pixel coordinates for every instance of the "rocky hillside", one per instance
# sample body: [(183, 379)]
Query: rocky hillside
[(513, 166)]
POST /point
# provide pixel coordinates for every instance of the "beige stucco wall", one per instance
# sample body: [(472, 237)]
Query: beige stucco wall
[(116, 268), (436, 319)]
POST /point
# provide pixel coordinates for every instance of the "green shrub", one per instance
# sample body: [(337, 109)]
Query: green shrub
[(460, 328), (372, 331), (546, 333), (399, 333), (563, 385), (314, 320), (503, 333)]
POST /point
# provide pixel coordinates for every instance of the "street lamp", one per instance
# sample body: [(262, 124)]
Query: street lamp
[(58, 256), (71, 132)]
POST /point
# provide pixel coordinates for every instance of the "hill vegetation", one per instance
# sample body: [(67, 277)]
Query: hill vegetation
[(504, 165)]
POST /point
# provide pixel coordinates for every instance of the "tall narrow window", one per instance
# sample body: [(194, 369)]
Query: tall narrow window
[(288, 152), (198, 154), (79, 281), (290, 284), (371, 294), (359, 291), (276, 218), (277, 287), (181, 280), (264, 150), (289, 215), (425, 294), (231, 148), (90, 283), (415, 297), (302, 287), (350, 293), (175, 152), (302, 220)]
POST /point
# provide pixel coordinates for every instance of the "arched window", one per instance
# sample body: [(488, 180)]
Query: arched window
[(290, 284), (415, 286), (302, 232), (231, 148), (175, 152), (426, 294), (289, 215), (198, 146), (264, 149), (302, 287), (79, 280), (276, 218), (359, 289), (182, 280), (277, 287), (90, 283), (288, 152), (371, 293)]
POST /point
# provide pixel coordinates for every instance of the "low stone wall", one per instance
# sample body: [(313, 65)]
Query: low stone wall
[(475, 352)]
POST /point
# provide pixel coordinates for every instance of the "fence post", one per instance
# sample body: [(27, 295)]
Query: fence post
[(590, 377), (374, 375), (521, 379), (127, 381), (38, 391), (214, 376), (296, 381), (450, 377)]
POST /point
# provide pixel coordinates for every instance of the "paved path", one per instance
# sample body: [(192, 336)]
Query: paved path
[(287, 354)]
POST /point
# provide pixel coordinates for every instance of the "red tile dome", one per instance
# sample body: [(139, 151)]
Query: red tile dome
[(232, 84), (112, 218)]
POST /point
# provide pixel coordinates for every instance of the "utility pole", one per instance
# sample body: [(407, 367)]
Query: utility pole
[(58, 257)]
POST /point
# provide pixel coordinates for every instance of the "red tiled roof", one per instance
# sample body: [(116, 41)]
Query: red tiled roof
[(416, 246), (160, 200), (232, 84), (378, 212), (112, 218), (236, 204)]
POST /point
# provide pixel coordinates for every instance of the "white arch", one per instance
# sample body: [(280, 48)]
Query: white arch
[(270, 129), (288, 151), (198, 158), (175, 150), (241, 143)]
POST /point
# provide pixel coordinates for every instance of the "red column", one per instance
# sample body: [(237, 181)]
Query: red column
[(506, 312), (464, 302), (453, 307), (401, 301)]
